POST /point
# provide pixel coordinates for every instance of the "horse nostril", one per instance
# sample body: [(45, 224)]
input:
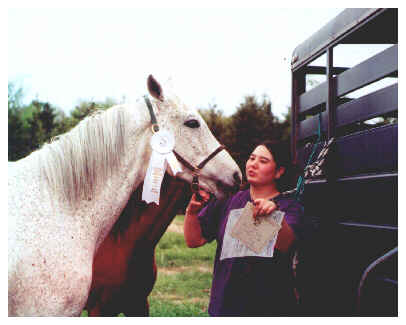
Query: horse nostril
[(237, 179)]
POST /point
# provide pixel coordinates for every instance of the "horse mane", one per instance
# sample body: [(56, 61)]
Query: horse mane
[(74, 163)]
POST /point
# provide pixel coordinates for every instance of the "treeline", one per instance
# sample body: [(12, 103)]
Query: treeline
[(29, 126), (252, 123)]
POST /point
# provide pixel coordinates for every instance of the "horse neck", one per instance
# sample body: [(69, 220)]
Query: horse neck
[(112, 196), (141, 224)]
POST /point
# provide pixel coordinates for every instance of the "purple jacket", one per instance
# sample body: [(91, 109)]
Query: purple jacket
[(250, 286)]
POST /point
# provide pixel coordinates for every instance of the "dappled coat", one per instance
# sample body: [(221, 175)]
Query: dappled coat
[(124, 269)]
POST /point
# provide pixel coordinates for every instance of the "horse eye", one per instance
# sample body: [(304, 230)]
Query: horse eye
[(192, 124)]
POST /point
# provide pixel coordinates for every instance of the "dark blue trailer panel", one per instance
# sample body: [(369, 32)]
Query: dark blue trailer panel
[(348, 260)]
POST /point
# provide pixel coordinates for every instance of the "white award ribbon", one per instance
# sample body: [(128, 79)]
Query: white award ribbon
[(162, 143)]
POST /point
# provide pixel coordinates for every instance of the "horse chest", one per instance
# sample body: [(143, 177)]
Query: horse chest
[(48, 282)]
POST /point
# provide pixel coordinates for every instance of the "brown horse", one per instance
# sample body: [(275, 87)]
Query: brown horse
[(124, 269)]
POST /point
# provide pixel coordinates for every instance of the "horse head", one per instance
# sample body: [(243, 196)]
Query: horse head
[(195, 146)]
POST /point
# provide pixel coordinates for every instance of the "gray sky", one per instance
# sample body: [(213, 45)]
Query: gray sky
[(213, 55)]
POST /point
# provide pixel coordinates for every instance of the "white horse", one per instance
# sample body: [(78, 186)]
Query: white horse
[(65, 197)]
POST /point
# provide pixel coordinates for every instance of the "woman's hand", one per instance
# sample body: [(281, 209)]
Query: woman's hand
[(191, 227), (196, 205), (263, 207)]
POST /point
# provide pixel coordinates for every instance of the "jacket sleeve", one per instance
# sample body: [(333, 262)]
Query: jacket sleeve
[(209, 218), (294, 216)]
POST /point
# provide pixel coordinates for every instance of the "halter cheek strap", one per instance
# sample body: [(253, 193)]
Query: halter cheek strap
[(154, 122)]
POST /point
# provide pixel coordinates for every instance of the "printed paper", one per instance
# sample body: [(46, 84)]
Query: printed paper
[(252, 239)]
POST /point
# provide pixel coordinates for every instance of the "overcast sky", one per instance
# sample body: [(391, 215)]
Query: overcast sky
[(213, 55)]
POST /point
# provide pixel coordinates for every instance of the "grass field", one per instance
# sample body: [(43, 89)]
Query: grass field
[(184, 275)]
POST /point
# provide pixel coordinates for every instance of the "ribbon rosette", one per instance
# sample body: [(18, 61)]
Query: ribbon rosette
[(162, 143)]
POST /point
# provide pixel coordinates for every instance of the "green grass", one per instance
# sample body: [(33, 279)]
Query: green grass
[(160, 308), (184, 277), (182, 286), (172, 251), (179, 219)]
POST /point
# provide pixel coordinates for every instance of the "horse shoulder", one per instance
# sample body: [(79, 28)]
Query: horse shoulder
[(49, 280)]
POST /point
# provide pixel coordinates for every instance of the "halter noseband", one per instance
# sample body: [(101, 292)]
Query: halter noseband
[(195, 169)]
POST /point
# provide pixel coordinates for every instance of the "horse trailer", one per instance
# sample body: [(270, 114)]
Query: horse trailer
[(348, 259)]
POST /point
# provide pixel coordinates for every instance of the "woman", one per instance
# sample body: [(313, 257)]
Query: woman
[(251, 285)]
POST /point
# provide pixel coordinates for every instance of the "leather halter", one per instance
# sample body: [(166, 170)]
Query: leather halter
[(195, 169)]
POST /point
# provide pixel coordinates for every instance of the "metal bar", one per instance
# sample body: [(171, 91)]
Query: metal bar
[(394, 282), (368, 151), (293, 118), (311, 69), (369, 269), (367, 177), (356, 224), (308, 127), (334, 41), (375, 104), (331, 95), (382, 65), (379, 66), (312, 98), (356, 178), (298, 87)]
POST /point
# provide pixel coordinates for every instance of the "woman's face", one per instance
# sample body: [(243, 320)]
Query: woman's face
[(261, 168)]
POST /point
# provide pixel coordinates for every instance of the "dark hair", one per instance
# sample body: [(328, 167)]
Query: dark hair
[(280, 151)]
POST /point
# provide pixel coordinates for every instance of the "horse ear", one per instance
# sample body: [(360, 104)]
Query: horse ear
[(155, 88)]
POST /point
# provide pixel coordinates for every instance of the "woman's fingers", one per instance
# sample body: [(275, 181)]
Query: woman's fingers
[(263, 207), (195, 204), (257, 206), (204, 195)]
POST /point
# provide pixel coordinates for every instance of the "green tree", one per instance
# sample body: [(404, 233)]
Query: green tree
[(18, 137), (43, 123), (82, 110), (285, 126), (29, 126), (85, 108), (252, 123), (15, 96), (217, 123)]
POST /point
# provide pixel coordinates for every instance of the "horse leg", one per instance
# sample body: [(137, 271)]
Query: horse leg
[(142, 269)]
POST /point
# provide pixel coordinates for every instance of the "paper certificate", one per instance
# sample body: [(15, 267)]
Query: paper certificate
[(254, 235), (245, 237)]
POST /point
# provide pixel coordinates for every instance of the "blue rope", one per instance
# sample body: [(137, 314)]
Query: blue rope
[(300, 181)]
